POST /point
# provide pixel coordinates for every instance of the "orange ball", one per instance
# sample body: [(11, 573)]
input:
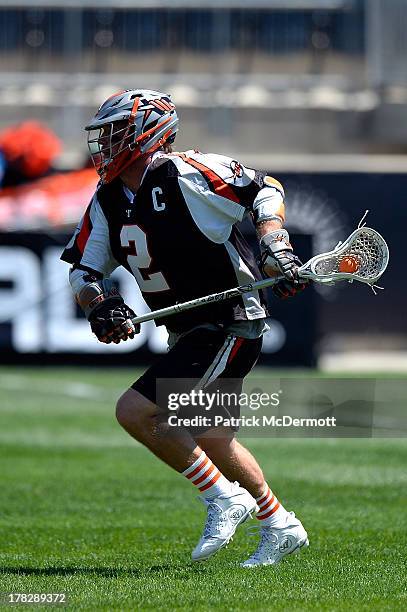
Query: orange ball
[(348, 264)]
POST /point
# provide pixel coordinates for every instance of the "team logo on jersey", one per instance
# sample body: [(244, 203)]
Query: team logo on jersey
[(237, 169)]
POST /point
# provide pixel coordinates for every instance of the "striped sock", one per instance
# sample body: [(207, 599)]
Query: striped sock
[(271, 513), (206, 476)]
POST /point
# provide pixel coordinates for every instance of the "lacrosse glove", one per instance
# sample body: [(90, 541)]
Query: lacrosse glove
[(111, 321), (278, 257), (104, 307), (285, 289)]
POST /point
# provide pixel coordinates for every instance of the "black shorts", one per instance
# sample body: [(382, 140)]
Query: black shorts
[(213, 361)]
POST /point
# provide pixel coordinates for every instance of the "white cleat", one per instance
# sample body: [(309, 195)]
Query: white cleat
[(275, 543), (225, 514)]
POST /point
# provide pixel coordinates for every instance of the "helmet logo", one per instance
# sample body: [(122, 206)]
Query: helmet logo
[(163, 105)]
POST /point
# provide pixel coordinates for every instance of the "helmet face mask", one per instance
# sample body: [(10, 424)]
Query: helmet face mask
[(109, 142), (127, 125)]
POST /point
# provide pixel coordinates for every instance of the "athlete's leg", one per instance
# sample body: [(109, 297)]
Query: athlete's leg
[(219, 443), (233, 459), (228, 504), (281, 532), (145, 422), (143, 409), (143, 412)]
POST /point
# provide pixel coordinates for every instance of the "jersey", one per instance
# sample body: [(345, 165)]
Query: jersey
[(178, 236)]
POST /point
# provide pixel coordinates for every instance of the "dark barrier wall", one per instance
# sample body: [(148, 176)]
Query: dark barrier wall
[(330, 205), (40, 323), (39, 317)]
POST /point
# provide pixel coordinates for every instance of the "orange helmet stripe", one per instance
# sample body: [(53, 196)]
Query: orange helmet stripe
[(133, 112), (153, 129)]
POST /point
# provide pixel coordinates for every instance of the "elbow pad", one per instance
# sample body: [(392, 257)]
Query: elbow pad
[(268, 206)]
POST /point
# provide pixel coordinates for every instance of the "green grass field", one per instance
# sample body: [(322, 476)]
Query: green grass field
[(86, 511)]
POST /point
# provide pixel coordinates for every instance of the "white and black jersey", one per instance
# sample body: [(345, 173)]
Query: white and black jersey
[(177, 235)]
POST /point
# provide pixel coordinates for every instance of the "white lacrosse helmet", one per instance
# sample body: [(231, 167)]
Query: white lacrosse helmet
[(127, 125)]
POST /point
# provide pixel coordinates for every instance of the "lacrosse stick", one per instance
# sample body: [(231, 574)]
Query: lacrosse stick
[(363, 257)]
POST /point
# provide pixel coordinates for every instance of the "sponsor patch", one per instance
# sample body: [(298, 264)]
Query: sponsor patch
[(237, 169)]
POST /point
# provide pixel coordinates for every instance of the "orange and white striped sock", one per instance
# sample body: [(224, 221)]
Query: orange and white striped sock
[(271, 513), (206, 476)]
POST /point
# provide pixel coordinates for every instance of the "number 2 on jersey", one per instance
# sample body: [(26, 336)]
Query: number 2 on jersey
[(134, 242)]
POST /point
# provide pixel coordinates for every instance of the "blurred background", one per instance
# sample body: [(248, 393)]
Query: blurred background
[(313, 91)]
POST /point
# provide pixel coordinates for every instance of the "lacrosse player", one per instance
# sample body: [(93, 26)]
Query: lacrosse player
[(170, 219)]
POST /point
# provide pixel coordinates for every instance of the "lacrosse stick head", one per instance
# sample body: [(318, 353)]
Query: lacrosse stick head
[(363, 257)]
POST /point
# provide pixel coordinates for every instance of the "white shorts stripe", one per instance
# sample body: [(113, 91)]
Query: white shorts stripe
[(218, 364)]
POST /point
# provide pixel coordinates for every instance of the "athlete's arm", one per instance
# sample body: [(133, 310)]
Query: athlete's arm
[(278, 257), (263, 197), (219, 191), (104, 307), (90, 253)]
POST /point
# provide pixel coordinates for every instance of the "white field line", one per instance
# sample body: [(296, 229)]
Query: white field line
[(86, 391), (46, 438), (364, 361), (19, 382), (364, 476), (370, 444)]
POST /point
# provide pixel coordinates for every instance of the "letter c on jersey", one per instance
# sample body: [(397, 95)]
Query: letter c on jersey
[(158, 206)]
